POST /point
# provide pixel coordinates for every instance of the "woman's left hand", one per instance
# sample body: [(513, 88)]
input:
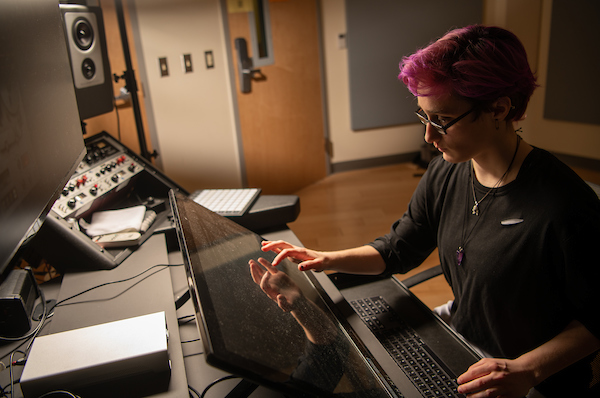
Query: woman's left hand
[(494, 377)]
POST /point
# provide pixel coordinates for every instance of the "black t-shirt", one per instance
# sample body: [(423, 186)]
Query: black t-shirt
[(530, 264)]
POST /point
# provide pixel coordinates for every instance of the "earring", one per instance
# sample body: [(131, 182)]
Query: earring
[(497, 124)]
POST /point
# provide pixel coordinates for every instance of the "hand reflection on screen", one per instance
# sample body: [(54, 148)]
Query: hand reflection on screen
[(322, 364), (327, 357), (280, 288)]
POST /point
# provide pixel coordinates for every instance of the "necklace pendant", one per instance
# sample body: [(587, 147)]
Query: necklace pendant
[(460, 255), (475, 209)]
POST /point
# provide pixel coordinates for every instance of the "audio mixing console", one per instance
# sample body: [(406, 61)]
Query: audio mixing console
[(105, 169), (110, 177)]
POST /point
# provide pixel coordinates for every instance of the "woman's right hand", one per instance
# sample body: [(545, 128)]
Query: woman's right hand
[(307, 259), (364, 260)]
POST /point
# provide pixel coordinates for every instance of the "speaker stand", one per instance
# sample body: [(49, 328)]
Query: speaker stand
[(131, 84)]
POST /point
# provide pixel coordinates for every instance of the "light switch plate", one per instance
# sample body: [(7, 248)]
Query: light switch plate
[(186, 59), (164, 67), (210, 61)]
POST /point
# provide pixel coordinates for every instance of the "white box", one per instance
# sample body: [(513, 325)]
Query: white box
[(121, 358)]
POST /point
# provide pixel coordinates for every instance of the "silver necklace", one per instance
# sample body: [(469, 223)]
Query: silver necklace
[(460, 253), (475, 208)]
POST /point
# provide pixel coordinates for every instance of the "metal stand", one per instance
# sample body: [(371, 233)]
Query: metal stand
[(131, 84)]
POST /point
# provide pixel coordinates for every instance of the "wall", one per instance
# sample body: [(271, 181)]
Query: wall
[(193, 115), (529, 19), (577, 139), (193, 125), (349, 145)]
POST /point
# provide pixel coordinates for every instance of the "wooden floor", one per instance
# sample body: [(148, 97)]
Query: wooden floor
[(352, 208)]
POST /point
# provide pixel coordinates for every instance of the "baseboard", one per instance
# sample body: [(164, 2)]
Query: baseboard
[(373, 162), (571, 160)]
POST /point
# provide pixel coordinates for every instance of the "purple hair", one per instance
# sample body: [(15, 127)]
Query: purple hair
[(476, 62)]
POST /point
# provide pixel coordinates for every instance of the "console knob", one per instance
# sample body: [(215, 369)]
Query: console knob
[(115, 178), (71, 203)]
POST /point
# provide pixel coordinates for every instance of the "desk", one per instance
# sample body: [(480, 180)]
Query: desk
[(155, 290)]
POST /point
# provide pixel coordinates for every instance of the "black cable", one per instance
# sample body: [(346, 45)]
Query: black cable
[(190, 341), (208, 387), (25, 341), (192, 389), (192, 318), (58, 303), (10, 368), (62, 392)]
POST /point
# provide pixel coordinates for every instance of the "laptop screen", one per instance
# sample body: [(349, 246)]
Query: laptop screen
[(244, 332)]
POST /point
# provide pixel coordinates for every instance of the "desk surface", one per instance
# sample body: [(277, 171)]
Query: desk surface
[(152, 291)]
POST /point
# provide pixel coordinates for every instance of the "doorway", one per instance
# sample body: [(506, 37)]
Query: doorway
[(281, 118)]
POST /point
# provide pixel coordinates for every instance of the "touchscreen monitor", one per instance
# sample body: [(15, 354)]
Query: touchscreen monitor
[(304, 350)]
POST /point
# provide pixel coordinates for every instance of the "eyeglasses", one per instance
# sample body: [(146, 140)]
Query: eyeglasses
[(440, 128)]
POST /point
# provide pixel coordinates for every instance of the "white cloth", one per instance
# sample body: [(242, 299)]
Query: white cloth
[(112, 221)]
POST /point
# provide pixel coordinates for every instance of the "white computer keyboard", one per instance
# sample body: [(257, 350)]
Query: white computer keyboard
[(227, 202)]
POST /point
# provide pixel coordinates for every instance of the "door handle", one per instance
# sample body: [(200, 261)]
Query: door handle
[(246, 71)]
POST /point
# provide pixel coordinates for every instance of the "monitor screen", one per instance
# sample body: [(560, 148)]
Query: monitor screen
[(303, 350), (41, 140)]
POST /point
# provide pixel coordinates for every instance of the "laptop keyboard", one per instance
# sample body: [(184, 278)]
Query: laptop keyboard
[(411, 354)]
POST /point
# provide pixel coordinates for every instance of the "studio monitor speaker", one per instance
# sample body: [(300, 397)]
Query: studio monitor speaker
[(86, 42)]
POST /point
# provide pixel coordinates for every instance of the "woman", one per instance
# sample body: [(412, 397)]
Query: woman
[(515, 228)]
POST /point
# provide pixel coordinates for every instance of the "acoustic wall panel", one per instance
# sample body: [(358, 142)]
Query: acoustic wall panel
[(379, 33), (572, 83)]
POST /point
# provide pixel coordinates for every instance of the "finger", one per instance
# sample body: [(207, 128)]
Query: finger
[(268, 266), (283, 303), (484, 382), (275, 245), (476, 370), (256, 271), (269, 290), (310, 265), (477, 390), (292, 253)]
